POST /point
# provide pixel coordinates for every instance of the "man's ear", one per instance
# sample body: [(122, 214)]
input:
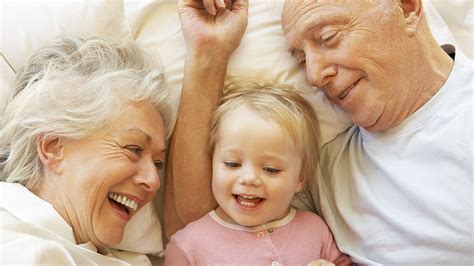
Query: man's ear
[(413, 14), (50, 152)]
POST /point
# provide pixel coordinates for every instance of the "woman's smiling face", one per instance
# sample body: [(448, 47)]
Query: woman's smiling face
[(121, 166)]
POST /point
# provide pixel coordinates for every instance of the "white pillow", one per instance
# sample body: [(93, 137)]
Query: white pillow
[(7, 75), (263, 54), (459, 16), (143, 233), (27, 25)]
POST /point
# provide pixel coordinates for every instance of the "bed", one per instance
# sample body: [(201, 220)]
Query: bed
[(263, 53)]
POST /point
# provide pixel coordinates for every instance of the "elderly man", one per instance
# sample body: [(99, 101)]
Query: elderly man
[(397, 186)]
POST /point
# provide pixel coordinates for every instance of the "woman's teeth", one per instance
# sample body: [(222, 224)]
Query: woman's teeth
[(131, 204)]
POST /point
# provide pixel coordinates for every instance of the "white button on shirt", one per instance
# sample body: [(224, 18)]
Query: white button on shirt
[(260, 234), (275, 263)]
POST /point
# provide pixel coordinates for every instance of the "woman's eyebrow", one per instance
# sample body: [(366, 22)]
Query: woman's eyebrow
[(136, 130)]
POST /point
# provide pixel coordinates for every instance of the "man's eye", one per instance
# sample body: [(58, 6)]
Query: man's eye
[(159, 165), (232, 164), (271, 170), (329, 38), (135, 149)]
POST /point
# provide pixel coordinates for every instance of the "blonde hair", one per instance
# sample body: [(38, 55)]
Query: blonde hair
[(74, 88), (280, 103)]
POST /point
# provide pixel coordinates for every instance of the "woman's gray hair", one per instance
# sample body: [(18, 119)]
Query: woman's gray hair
[(74, 88)]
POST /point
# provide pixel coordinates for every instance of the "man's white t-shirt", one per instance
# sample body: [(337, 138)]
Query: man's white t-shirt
[(405, 195)]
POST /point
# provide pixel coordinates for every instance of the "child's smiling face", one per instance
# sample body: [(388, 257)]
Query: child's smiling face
[(256, 169)]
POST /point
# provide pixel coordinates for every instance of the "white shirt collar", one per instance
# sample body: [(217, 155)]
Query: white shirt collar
[(27, 207), (278, 223)]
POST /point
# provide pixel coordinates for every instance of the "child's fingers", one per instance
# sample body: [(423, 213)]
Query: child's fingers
[(228, 3), (220, 3), (210, 7)]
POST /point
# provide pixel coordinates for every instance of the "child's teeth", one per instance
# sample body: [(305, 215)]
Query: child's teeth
[(248, 204)]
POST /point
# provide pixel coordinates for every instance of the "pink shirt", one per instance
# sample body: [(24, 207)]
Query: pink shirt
[(297, 239)]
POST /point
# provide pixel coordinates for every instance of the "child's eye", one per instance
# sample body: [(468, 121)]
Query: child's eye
[(271, 170), (135, 149), (159, 165), (232, 164)]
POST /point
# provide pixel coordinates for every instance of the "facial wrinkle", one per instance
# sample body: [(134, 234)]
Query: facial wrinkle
[(298, 14), (383, 10)]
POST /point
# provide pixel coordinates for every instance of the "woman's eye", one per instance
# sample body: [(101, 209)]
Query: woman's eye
[(232, 164), (159, 165), (135, 149), (271, 170)]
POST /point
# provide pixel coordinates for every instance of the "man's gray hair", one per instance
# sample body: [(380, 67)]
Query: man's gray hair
[(74, 88)]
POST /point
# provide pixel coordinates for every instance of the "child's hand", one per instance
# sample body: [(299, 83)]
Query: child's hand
[(320, 262)]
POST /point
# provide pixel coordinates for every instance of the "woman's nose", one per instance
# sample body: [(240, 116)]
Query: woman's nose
[(148, 178)]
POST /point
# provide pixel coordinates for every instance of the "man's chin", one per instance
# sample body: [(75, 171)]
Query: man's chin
[(370, 121), (368, 125), (376, 127)]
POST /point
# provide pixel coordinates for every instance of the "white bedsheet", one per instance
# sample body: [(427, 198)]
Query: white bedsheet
[(263, 53)]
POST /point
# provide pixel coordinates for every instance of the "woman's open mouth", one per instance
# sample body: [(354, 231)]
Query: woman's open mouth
[(122, 203)]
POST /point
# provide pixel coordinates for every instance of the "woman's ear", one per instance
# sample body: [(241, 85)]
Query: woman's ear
[(413, 14), (50, 152)]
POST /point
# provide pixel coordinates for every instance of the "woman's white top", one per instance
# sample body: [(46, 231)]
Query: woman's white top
[(32, 232)]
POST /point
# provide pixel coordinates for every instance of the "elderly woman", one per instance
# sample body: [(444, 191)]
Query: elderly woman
[(81, 144)]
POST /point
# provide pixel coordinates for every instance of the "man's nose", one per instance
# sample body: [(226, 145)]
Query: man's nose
[(319, 69), (148, 178)]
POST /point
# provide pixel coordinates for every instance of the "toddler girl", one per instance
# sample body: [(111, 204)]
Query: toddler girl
[(264, 141)]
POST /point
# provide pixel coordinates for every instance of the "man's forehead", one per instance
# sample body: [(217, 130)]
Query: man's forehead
[(315, 12), (293, 9)]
